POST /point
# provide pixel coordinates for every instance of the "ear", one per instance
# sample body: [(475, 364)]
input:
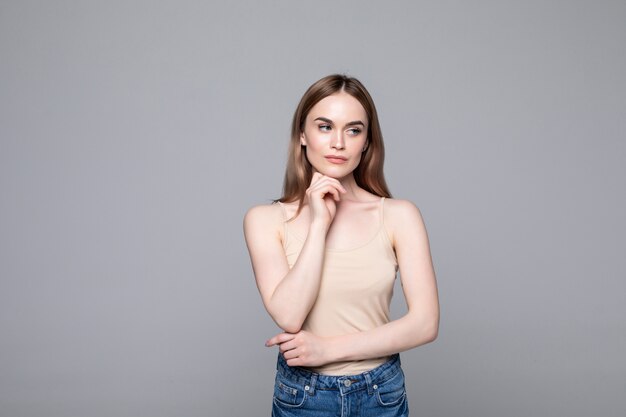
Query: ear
[(302, 139)]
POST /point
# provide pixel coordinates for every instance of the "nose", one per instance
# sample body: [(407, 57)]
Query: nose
[(337, 141)]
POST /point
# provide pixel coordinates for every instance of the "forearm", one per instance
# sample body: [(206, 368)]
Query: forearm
[(396, 336), (295, 295)]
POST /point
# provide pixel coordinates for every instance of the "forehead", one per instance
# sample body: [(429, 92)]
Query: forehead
[(339, 107)]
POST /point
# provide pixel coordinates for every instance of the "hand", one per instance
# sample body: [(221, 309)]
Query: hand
[(302, 348), (323, 193)]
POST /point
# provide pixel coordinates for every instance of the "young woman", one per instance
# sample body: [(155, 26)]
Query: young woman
[(325, 257)]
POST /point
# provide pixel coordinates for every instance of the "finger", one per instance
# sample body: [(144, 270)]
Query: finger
[(272, 342), (279, 338), (291, 354), (294, 361), (335, 194), (286, 346), (322, 192), (325, 188), (316, 176), (335, 183), (330, 192), (323, 179), (339, 185)]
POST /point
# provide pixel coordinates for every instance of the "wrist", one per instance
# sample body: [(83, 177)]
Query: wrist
[(318, 226)]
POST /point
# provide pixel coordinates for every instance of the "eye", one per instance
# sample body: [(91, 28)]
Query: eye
[(354, 131), (324, 128)]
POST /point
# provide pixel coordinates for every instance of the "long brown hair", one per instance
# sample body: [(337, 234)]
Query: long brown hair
[(368, 174)]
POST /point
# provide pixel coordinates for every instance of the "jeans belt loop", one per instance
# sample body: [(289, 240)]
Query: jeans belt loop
[(368, 380), (312, 384)]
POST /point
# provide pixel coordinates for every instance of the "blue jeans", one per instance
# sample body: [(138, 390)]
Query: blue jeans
[(379, 392)]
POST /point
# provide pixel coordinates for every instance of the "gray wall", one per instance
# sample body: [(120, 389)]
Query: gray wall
[(135, 135)]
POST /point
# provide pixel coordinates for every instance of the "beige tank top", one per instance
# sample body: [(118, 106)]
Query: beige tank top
[(355, 291)]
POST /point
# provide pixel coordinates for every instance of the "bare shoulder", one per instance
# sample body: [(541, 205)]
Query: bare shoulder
[(401, 217), (263, 212), (396, 210), (263, 218)]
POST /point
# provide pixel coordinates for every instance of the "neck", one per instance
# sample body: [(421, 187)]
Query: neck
[(353, 190)]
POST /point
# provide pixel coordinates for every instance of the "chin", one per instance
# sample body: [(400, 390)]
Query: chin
[(337, 174), (333, 171)]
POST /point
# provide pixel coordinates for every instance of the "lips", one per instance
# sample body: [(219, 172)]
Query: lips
[(336, 159)]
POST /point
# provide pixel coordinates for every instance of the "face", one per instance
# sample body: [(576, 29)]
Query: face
[(335, 127)]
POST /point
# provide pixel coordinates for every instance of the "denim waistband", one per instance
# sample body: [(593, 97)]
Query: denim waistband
[(312, 381)]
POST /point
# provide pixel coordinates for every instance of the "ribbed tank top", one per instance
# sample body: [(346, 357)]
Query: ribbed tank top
[(355, 291)]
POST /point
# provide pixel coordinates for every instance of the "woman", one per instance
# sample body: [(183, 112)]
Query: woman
[(325, 256)]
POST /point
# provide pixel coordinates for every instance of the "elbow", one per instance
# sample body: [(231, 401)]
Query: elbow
[(289, 326), (287, 322), (426, 331), (432, 331), (432, 335), (285, 318), (426, 336)]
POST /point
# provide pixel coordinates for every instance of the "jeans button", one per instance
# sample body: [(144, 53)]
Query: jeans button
[(347, 382)]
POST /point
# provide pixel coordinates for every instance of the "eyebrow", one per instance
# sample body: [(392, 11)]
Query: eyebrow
[(354, 122)]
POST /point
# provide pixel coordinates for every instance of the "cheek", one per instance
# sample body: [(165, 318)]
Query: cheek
[(316, 144), (357, 147)]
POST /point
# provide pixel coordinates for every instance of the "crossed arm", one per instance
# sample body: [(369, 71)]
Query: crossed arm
[(418, 326), (288, 294)]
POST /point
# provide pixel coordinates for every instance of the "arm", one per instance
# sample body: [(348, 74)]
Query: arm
[(288, 295), (419, 326)]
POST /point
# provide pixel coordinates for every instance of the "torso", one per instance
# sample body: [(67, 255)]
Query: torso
[(354, 224), (358, 274)]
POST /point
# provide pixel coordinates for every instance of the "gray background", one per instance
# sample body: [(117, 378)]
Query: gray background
[(135, 135)]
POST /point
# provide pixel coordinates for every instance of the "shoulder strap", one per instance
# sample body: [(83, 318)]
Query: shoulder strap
[(283, 209), (386, 237), (284, 223)]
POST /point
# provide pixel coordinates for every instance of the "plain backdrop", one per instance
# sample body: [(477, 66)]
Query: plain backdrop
[(135, 135)]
